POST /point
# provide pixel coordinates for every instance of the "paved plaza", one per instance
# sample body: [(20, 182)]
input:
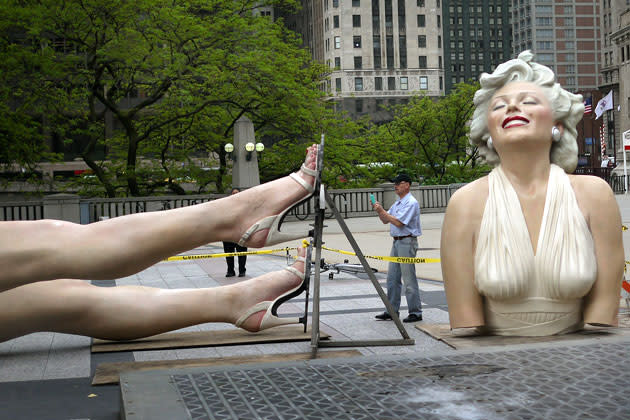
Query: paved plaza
[(48, 376)]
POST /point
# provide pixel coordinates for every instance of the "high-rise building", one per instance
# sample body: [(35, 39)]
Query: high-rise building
[(615, 71), (477, 37), (379, 52), (563, 35)]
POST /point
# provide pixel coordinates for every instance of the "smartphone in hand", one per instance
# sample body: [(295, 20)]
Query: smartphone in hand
[(372, 199)]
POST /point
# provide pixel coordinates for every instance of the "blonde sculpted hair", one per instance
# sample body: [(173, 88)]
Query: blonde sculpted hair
[(567, 107)]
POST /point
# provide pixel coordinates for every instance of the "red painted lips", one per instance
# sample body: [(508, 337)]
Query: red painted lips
[(514, 118)]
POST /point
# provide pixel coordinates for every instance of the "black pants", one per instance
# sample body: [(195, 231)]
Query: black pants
[(242, 259)]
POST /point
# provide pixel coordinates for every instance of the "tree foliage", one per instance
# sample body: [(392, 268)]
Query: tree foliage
[(171, 77), (428, 138)]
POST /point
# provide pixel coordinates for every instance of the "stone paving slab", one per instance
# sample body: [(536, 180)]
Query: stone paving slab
[(527, 382)]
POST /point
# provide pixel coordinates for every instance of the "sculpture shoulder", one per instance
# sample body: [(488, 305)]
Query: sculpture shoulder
[(592, 193), (468, 203)]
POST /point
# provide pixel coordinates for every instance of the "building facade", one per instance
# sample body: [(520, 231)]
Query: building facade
[(477, 37), (621, 39), (564, 36), (615, 71), (378, 52)]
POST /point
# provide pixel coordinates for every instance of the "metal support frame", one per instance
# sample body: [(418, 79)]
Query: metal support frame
[(324, 198)]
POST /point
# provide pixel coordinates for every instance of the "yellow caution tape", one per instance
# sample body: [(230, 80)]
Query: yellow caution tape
[(224, 254), (401, 260)]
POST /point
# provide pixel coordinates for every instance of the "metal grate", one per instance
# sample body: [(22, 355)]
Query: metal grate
[(585, 382)]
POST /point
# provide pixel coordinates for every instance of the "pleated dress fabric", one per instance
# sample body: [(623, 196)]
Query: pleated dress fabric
[(531, 294)]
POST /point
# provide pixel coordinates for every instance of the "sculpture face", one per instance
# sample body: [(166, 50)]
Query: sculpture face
[(520, 113)]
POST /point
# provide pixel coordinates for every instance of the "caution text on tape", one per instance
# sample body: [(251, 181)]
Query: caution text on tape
[(225, 254), (401, 260)]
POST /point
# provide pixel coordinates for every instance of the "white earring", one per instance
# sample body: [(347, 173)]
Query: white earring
[(555, 134), (489, 143)]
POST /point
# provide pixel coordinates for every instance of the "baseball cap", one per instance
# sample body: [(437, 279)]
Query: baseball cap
[(401, 178)]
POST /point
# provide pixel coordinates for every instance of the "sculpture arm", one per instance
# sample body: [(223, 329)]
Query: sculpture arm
[(602, 302), (465, 304)]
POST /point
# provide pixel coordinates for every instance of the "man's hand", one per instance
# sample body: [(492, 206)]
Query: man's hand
[(382, 214)]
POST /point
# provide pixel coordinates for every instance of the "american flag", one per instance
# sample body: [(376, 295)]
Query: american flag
[(602, 139), (588, 106)]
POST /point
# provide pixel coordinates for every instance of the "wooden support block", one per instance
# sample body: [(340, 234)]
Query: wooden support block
[(443, 333), (206, 339)]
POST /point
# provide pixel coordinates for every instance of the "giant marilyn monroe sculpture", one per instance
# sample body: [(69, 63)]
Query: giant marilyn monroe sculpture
[(530, 250)]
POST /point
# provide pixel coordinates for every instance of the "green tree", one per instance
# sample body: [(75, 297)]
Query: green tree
[(428, 138), (172, 76)]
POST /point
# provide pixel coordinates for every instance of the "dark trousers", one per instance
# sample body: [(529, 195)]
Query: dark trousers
[(242, 259)]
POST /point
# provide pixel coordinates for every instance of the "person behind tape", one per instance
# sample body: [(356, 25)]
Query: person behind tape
[(404, 220)]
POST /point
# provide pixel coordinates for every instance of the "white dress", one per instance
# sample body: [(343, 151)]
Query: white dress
[(527, 294)]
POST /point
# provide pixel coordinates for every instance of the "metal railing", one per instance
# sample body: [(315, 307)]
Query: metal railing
[(27, 210), (618, 184), (349, 202), (95, 209)]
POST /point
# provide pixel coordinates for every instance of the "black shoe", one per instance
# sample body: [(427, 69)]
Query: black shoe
[(413, 318), (230, 274), (384, 316), (241, 274)]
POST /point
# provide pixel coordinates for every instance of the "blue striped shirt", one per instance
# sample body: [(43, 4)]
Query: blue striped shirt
[(407, 210)]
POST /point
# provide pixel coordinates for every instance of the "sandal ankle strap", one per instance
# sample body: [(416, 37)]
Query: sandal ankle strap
[(308, 171)]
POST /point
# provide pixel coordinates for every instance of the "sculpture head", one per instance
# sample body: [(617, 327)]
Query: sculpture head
[(567, 108)]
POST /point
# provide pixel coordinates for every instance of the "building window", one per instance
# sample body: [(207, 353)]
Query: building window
[(338, 62), (337, 42), (440, 61), (356, 3), (422, 41), (336, 21), (335, 3), (358, 83), (338, 84), (391, 83), (420, 3), (422, 62), (439, 21), (402, 44), (378, 83), (424, 82), (358, 63), (441, 83), (421, 21), (356, 21), (358, 105), (439, 41), (356, 41), (404, 83), (376, 44)]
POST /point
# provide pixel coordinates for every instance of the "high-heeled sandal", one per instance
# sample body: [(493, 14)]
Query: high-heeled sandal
[(273, 223), (271, 319)]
